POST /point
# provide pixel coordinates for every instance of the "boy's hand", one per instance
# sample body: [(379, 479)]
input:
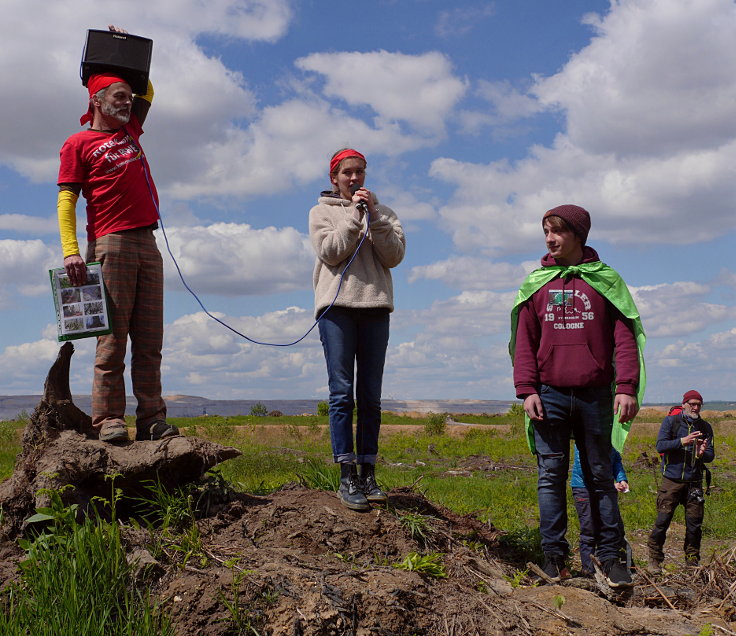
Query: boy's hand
[(533, 407), (625, 406), (622, 486)]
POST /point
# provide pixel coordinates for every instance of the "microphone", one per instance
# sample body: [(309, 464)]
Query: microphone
[(361, 205)]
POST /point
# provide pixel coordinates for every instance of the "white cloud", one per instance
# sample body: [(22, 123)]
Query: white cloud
[(181, 72), (707, 365), (420, 90), (232, 259), (509, 103), (649, 142), (30, 363), (678, 309), (460, 350), (660, 74), (197, 350), (407, 204), (301, 133), (23, 223), (265, 20), (25, 266), (470, 273), (459, 21)]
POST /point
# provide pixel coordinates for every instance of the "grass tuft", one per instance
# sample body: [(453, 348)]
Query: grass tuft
[(428, 564), (87, 563), (319, 476)]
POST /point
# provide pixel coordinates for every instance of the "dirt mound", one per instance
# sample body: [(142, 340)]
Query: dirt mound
[(297, 562)]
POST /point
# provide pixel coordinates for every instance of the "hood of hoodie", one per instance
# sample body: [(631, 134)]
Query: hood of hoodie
[(589, 256)]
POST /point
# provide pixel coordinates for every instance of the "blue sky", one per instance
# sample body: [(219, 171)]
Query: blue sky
[(476, 117)]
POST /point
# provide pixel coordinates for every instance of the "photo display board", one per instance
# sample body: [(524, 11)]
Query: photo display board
[(81, 312)]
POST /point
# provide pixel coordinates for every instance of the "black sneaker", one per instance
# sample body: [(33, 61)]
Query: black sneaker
[(554, 567), (158, 430), (617, 574)]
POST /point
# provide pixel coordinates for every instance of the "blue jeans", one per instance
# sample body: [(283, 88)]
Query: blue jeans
[(587, 415), (355, 340)]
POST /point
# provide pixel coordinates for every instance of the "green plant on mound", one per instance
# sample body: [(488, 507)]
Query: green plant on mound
[(516, 578), (76, 580), (418, 525), (436, 424), (241, 617), (172, 515), (523, 544), (428, 564), (319, 476), (166, 510), (323, 408)]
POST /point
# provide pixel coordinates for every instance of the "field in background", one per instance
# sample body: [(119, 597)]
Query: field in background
[(477, 465)]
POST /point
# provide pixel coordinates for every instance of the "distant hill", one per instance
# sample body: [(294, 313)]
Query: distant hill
[(195, 406)]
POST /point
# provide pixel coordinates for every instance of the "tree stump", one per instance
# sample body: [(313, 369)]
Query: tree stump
[(61, 448)]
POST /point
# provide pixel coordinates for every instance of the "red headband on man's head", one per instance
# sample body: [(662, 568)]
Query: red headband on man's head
[(344, 154), (95, 84)]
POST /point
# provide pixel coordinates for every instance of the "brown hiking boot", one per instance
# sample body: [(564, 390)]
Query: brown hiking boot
[(113, 432)]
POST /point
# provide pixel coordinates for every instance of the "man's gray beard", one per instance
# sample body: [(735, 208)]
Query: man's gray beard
[(118, 113)]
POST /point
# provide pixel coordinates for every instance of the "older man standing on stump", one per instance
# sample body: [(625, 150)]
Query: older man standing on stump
[(106, 164)]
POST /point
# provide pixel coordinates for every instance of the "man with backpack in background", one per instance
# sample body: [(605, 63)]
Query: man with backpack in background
[(685, 442)]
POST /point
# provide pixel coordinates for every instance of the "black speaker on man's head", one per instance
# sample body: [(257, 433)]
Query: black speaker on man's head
[(120, 53)]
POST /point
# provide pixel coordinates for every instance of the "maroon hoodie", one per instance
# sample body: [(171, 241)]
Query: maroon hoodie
[(569, 336)]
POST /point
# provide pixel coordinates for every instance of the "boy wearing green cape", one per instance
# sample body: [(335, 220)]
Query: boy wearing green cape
[(576, 345)]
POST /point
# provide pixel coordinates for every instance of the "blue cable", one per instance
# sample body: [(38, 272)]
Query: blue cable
[(205, 310)]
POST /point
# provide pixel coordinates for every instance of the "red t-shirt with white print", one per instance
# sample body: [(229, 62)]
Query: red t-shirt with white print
[(111, 168)]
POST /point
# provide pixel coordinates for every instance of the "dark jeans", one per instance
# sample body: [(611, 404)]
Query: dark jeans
[(355, 342), (588, 526), (670, 495), (587, 415)]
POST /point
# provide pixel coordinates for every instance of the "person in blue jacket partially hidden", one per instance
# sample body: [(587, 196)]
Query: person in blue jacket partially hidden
[(581, 496)]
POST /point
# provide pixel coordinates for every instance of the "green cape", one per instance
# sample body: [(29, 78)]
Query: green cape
[(607, 282)]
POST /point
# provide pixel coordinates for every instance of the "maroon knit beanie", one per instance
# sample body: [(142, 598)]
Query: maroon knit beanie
[(692, 395), (575, 216)]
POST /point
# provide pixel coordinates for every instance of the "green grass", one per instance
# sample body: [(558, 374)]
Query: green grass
[(86, 561), (300, 448), (10, 434)]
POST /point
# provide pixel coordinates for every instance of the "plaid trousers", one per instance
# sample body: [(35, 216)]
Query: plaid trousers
[(132, 269)]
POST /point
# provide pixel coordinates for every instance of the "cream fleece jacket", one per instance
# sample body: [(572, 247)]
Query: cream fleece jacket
[(335, 234)]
